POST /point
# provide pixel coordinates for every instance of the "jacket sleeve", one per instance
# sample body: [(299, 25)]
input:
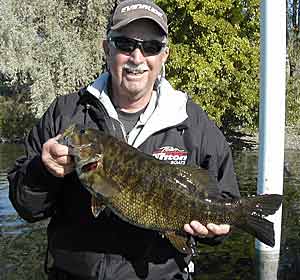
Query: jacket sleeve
[(223, 167), (213, 151), (32, 189), (217, 157)]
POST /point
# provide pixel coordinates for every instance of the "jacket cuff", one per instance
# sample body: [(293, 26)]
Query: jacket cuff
[(38, 178)]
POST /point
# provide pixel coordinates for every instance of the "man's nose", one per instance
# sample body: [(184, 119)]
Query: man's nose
[(137, 56)]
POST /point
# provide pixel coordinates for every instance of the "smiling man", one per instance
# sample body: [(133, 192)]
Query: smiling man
[(134, 102), (135, 54), (135, 50)]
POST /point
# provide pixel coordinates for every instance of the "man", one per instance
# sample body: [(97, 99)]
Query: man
[(134, 102)]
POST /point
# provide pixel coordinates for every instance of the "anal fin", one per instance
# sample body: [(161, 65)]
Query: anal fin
[(181, 243), (97, 206)]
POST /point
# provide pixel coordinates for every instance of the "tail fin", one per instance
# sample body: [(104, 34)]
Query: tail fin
[(253, 221)]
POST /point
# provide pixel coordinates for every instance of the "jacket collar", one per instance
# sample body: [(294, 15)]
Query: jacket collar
[(166, 108)]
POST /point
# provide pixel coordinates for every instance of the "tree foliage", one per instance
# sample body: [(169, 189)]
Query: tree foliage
[(293, 13), (215, 56), (15, 118), (51, 47), (293, 62)]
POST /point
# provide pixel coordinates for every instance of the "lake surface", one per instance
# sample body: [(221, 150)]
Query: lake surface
[(23, 245)]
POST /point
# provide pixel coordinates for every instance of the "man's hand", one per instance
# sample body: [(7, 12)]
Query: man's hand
[(196, 229), (56, 158)]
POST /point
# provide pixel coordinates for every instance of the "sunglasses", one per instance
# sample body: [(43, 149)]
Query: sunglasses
[(128, 45)]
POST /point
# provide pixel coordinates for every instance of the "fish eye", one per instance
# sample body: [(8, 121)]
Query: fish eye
[(82, 131), (64, 140)]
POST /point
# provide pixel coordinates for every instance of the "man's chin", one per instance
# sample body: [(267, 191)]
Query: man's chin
[(136, 90)]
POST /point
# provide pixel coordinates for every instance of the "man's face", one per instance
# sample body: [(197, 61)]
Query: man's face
[(127, 80)]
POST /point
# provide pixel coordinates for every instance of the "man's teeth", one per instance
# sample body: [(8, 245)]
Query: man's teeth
[(135, 72)]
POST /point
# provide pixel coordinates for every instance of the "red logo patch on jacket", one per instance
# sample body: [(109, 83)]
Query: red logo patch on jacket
[(171, 154)]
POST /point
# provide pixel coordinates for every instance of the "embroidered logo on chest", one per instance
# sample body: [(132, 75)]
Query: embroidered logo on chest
[(171, 154)]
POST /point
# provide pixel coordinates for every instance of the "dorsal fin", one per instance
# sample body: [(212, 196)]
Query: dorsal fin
[(198, 180)]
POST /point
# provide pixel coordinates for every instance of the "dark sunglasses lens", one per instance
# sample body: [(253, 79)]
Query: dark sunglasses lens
[(124, 44), (129, 45), (152, 47)]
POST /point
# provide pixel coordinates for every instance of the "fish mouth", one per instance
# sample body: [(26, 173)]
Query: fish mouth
[(89, 165)]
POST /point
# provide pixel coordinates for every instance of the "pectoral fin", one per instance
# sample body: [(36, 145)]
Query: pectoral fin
[(180, 243), (97, 206)]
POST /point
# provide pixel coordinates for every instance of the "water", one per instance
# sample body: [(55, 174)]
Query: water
[(9, 221), (236, 257), (23, 245)]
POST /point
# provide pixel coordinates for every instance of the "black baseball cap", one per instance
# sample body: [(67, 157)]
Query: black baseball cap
[(130, 10)]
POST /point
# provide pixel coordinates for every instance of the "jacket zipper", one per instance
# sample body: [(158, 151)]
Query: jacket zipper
[(109, 123)]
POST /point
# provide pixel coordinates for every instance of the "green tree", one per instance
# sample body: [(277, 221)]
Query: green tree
[(54, 47), (293, 80), (293, 63), (215, 56), (15, 118), (51, 47)]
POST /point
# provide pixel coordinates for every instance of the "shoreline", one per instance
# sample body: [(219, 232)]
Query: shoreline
[(238, 140), (247, 141)]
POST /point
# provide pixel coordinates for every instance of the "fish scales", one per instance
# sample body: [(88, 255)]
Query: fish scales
[(149, 194), (156, 195), (151, 208)]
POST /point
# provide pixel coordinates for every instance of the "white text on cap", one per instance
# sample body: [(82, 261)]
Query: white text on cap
[(141, 7)]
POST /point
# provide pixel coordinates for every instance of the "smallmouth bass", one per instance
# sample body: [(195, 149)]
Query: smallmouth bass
[(156, 195)]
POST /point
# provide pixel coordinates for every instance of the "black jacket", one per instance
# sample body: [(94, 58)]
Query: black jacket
[(77, 240)]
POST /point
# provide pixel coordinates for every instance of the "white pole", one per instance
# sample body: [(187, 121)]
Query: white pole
[(272, 110)]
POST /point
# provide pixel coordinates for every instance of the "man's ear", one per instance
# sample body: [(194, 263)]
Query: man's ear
[(106, 48), (165, 54)]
